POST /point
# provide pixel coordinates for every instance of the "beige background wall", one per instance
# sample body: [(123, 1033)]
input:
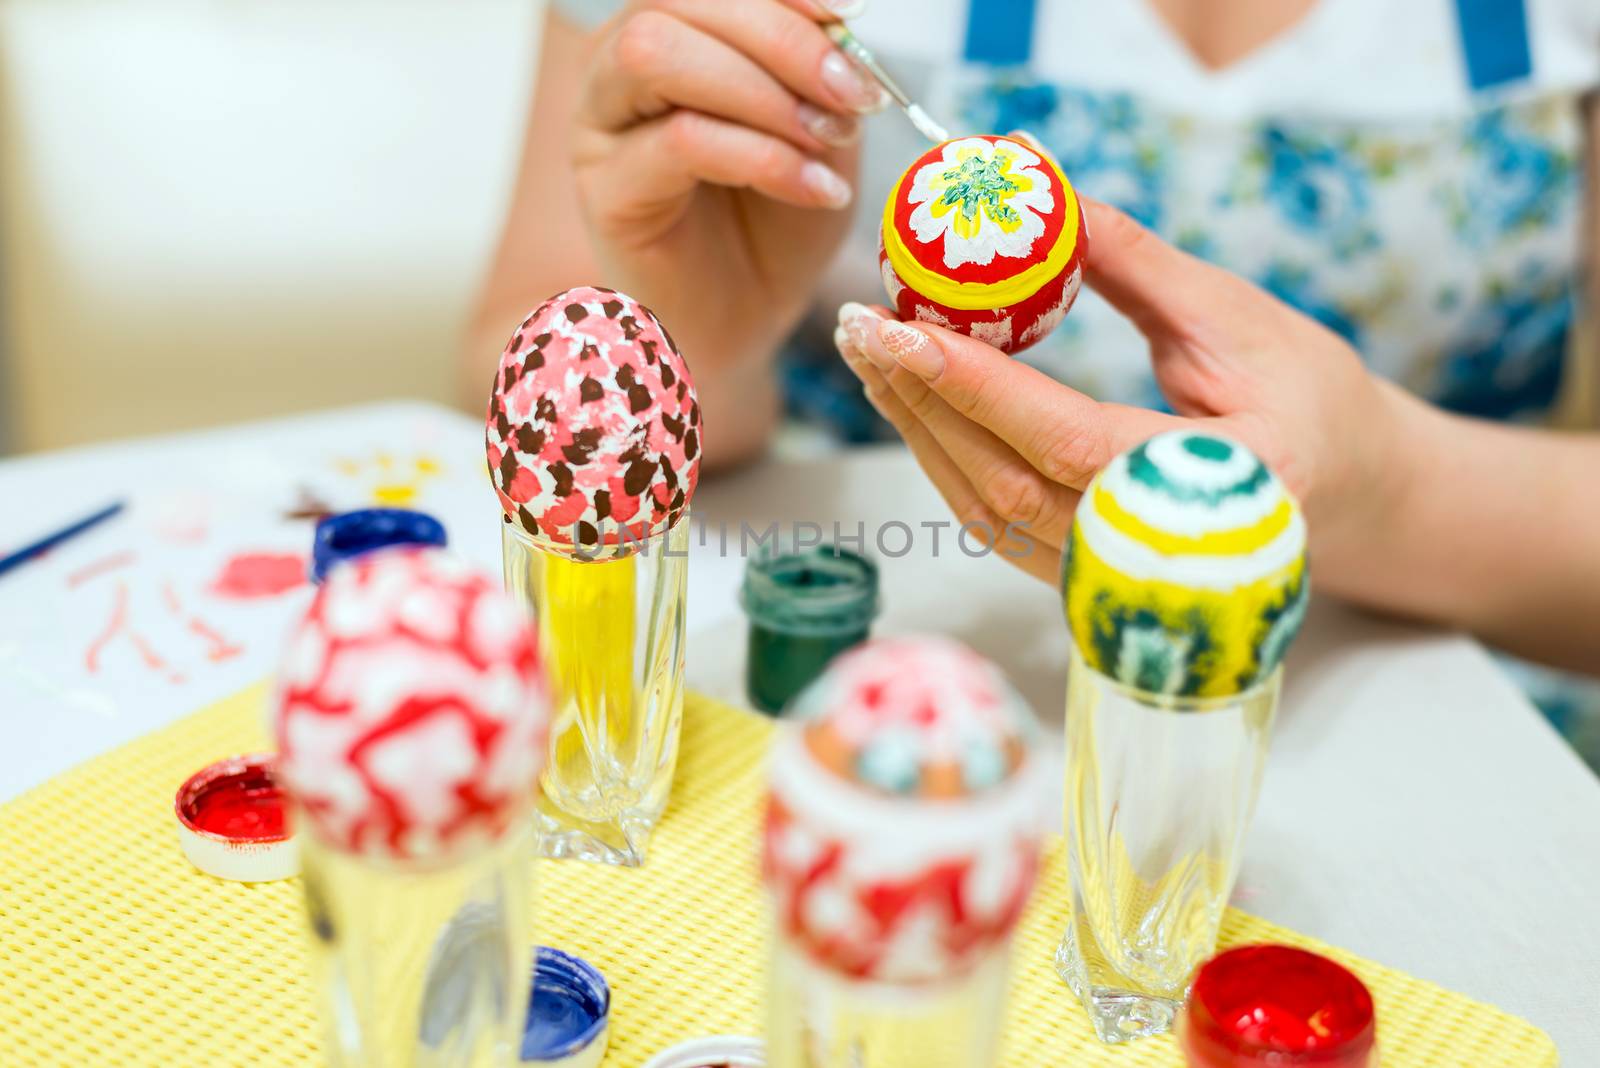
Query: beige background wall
[(213, 210)]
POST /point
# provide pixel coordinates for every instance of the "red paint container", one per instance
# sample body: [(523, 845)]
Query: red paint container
[(232, 821), (1261, 1006)]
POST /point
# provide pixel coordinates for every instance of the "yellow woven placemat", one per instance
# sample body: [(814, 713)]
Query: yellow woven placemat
[(114, 951)]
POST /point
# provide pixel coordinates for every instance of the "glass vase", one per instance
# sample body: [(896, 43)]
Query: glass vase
[(1159, 794), (421, 968), (819, 1019), (611, 633)]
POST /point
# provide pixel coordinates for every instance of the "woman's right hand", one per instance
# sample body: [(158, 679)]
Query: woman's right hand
[(714, 159)]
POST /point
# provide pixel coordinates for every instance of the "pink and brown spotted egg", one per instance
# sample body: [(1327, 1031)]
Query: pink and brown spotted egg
[(412, 710), (594, 431)]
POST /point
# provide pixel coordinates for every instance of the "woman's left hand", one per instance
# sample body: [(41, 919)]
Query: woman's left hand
[(1011, 449)]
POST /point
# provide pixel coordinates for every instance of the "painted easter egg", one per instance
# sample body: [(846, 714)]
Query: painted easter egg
[(412, 710), (984, 235), (1185, 573), (593, 436), (902, 837)]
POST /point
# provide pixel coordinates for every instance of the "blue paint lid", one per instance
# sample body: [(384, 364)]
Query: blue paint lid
[(347, 535), (568, 1010)]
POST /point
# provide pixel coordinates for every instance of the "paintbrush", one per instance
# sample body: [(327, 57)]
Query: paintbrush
[(851, 46), (66, 533)]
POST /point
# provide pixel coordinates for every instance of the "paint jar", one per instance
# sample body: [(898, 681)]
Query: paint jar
[(569, 1012), (611, 631), (233, 821), (1277, 1007), (347, 535), (1159, 794), (805, 608), (713, 1051)]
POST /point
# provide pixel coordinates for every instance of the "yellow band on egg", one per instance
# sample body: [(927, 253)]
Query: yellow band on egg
[(1236, 542), (977, 296)]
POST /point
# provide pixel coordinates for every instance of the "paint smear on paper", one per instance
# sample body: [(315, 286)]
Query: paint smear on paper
[(398, 481), (119, 618), (100, 567), (118, 624), (250, 576), (218, 648), (307, 505)]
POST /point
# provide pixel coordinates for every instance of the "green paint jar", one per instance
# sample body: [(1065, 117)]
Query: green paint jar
[(805, 608)]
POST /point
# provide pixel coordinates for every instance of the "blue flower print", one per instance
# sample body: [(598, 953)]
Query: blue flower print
[(1296, 287), (1512, 356), (1319, 189), (1515, 181), (1110, 149)]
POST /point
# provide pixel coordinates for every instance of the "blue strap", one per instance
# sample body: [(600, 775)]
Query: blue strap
[(1000, 32), (1494, 39)]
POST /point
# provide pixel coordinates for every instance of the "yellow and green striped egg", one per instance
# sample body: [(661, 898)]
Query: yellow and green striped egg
[(1185, 573)]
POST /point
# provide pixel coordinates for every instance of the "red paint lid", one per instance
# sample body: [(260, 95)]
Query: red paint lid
[(1276, 1005), (233, 820)]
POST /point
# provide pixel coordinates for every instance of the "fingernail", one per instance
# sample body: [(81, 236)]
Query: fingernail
[(860, 324), (830, 129), (912, 349), (845, 9), (847, 350), (853, 86), (825, 183)]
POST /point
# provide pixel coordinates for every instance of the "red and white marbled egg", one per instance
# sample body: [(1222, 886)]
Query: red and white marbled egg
[(412, 711)]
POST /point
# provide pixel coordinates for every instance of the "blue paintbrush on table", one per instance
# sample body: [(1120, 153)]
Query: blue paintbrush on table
[(67, 533)]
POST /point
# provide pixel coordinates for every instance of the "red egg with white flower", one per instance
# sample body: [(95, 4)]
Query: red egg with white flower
[(985, 236)]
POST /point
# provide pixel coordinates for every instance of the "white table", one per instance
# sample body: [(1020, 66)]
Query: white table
[(1416, 809)]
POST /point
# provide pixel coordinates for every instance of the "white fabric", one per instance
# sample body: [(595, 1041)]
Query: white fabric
[(1353, 59)]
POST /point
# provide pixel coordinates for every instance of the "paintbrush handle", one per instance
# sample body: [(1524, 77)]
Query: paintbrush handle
[(851, 45), (50, 541)]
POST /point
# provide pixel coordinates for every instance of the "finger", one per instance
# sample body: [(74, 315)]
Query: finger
[(656, 62), (1027, 547), (664, 159), (786, 40), (1064, 435), (1014, 489), (1158, 287)]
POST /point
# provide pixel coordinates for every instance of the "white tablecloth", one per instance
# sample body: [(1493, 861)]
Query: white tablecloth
[(1415, 808)]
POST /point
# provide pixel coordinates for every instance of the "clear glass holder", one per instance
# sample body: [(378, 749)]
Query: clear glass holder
[(422, 968), (818, 1019), (611, 633), (1160, 791)]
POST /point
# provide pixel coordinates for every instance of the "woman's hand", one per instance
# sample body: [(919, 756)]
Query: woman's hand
[(714, 157), (1009, 447)]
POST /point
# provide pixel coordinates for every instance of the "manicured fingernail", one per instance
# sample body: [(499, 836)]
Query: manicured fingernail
[(912, 349), (860, 324), (853, 86), (830, 129), (847, 350), (845, 9), (825, 183)]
